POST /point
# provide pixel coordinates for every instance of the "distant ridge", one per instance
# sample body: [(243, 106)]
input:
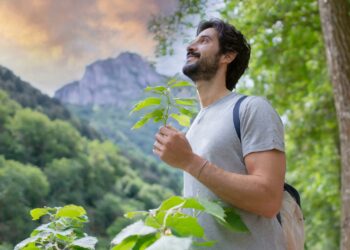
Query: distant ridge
[(113, 81), (29, 97)]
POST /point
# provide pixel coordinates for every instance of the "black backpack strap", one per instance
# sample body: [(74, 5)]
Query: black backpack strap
[(236, 120), (293, 192)]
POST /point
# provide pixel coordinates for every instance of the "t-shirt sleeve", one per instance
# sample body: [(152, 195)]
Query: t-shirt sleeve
[(261, 126)]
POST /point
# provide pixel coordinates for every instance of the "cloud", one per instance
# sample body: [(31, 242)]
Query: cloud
[(55, 40)]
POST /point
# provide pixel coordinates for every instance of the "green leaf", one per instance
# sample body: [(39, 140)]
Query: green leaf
[(187, 112), (86, 242), (127, 243), (37, 213), (156, 89), (171, 202), (193, 203), (183, 120), (71, 211), (171, 243), (30, 246), (150, 101), (151, 221), (171, 81), (156, 115), (184, 225), (131, 215), (213, 208), (144, 241), (204, 243), (137, 228), (141, 122), (233, 221), (31, 241), (69, 238), (185, 101), (181, 84)]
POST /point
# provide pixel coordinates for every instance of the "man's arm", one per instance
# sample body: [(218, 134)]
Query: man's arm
[(259, 192)]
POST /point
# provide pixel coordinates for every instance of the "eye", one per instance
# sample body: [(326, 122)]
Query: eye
[(205, 40)]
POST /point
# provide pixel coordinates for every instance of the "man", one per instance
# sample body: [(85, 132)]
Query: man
[(248, 175)]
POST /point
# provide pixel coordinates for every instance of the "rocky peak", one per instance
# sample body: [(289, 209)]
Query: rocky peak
[(113, 81)]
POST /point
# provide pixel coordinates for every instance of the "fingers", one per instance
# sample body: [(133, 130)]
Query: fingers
[(171, 128), (156, 151), (168, 130), (160, 138), (158, 146)]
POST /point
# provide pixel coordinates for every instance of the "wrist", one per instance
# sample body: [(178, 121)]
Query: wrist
[(195, 165)]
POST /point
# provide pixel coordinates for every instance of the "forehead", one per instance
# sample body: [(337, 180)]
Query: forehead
[(210, 32)]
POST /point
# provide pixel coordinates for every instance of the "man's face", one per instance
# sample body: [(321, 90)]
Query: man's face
[(203, 56)]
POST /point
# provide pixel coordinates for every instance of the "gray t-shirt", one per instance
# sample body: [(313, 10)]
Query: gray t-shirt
[(212, 135)]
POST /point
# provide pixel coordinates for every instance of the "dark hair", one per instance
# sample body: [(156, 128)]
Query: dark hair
[(230, 40)]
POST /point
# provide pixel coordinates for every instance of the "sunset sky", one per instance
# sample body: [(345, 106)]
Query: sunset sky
[(48, 43)]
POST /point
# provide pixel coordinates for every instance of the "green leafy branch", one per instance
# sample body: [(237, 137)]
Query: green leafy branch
[(164, 105), (63, 231), (170, 225), (156, 229)]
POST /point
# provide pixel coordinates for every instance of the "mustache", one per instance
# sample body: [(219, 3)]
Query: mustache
[(192, 53)]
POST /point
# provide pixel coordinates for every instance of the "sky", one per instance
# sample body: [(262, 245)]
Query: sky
[(48, 43)]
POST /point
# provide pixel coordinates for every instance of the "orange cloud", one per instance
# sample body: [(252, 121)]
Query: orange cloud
[(17, 29), (62, 37)]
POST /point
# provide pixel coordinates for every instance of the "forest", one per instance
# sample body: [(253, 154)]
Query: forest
[(49, 163)]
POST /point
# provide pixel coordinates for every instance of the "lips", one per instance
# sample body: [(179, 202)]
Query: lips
[(192, 55)]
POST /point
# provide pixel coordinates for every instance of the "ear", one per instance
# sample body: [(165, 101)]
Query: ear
[(229, 57)]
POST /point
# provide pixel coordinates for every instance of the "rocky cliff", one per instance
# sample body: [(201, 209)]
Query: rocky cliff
[(114, 81)]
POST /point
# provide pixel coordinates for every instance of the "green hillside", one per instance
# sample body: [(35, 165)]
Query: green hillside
[(30, 97), (48, 162)]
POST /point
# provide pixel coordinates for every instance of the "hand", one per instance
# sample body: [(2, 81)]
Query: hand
[(172, 147)]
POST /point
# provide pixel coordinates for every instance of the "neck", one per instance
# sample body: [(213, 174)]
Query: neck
[(209, 91)]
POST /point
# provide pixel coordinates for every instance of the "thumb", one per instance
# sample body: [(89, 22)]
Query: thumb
[(171, 127)]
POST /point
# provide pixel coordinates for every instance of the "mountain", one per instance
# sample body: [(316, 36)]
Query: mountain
[(96, 123), (105, 96), (114, 81), (30, 97)]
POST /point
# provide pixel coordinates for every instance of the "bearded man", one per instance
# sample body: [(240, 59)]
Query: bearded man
[(247, 174)]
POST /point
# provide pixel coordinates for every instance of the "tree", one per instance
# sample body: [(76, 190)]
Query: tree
[(335, 19), (21, 188)]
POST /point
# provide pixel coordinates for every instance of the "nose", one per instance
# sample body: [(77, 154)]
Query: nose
[(191, 47)]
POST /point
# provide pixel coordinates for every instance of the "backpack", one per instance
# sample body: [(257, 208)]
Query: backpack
[(290, 216)]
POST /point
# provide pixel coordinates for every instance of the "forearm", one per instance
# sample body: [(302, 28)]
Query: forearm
[(252, 193)]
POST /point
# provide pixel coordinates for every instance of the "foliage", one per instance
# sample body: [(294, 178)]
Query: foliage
[(30, 97), (165, 105), (169, 224), (166, 28), (22, 186), (155, 229), (63, 231), (135, 145), (288, 66), (37, 140), (47, 162)]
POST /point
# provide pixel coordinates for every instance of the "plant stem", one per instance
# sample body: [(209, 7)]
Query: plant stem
[(168, 104)]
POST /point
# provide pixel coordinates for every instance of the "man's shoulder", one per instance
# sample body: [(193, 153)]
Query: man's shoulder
[(256, 104)]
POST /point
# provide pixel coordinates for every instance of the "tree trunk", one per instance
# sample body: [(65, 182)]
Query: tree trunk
[(335, 19)]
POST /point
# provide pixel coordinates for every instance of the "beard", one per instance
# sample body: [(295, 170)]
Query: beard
[(203, 69)]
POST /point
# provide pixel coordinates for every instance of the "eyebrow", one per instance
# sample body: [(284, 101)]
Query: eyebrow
[(202, 36), (205, 36)]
